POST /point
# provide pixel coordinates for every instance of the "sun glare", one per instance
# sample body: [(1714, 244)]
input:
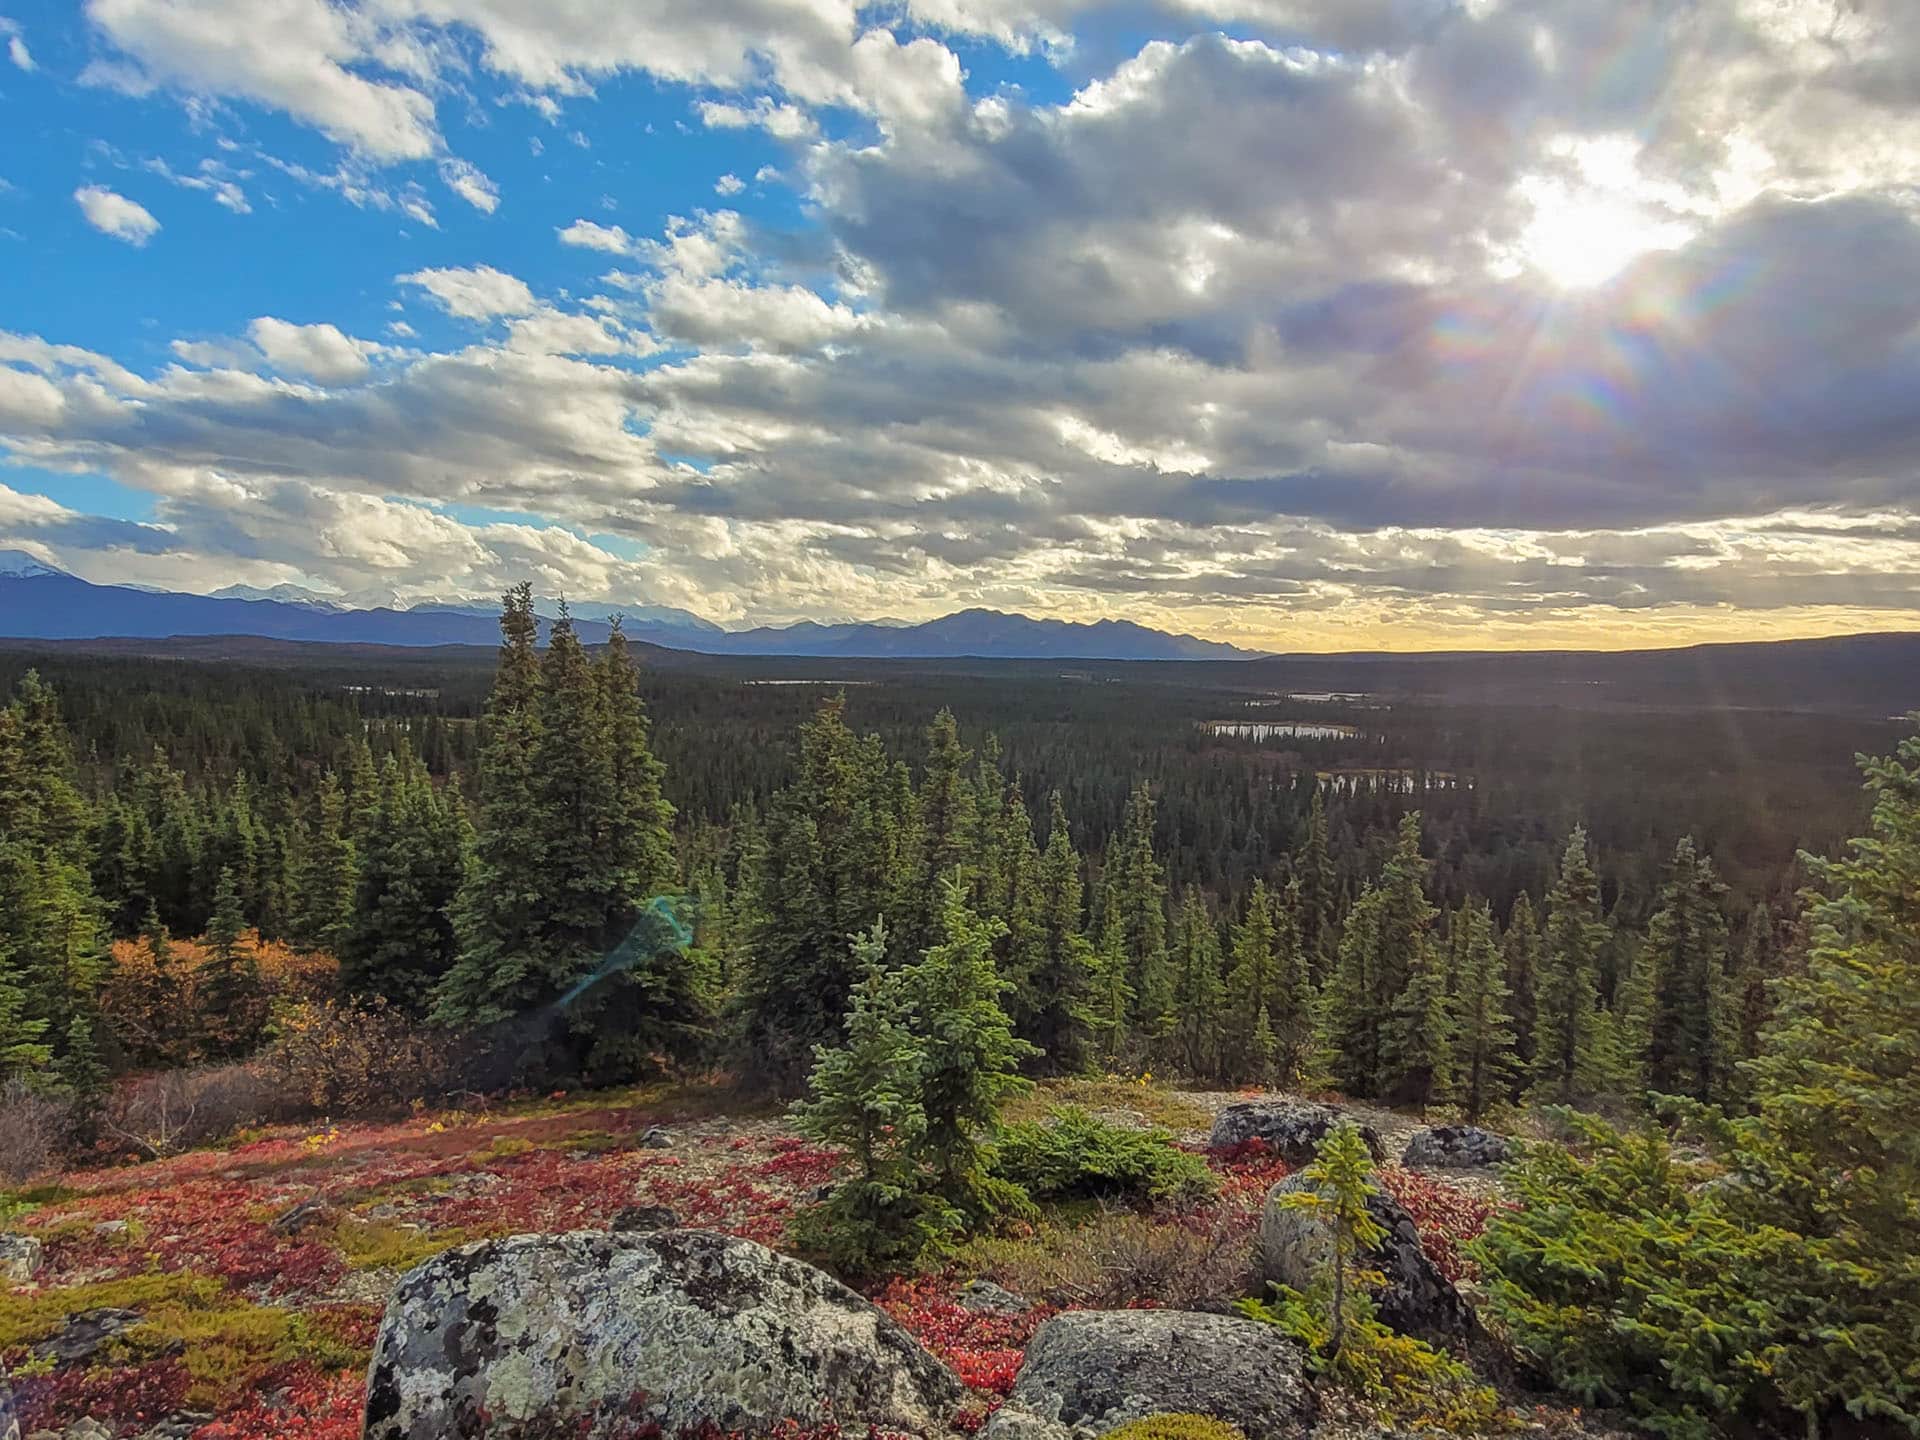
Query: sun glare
[(1582, 237)]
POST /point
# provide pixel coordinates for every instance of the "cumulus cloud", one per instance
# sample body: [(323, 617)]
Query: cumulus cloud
[(112, 213), (467, 181), (478, 293), (321, 352), (587, 235), (1274, 336)]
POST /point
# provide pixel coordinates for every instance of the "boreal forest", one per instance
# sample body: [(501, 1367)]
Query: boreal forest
[(245, 902)]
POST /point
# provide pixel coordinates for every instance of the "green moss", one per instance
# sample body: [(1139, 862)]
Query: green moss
[(503, 1147), (383, 1245), (28, 1318), (1176, 1427), (226, 1343)]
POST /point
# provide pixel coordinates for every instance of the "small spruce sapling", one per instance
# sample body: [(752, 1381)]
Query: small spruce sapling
[(1342, 1175)]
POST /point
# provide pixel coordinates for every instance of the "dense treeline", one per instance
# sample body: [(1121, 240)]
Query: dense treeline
[(1363, 909), (902, 930)]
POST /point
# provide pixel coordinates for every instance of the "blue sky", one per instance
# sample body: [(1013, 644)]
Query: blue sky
[(1293, 322)]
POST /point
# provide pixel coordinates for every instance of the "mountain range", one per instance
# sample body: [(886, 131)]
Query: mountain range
[(40, 602)]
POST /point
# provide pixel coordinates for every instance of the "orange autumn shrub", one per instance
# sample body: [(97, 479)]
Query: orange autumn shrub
[(336, 1058), (158, 1012)]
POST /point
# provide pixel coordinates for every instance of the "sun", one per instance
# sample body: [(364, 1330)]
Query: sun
[(1582, 236)]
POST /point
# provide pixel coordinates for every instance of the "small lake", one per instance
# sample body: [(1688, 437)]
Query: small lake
[(1280, 730)]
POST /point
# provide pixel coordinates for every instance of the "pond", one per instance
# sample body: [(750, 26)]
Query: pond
[(1280, 730)]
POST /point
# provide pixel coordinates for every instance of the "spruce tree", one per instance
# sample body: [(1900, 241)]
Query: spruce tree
[(940, 838), (411, 862), (1690, 1044), (1137, 897), (1291, 1000), (1111, 1011), (822, 869), (1319, 891), (1831, 1152), (864, 1096), (972, 1055), (232, 1004), (1388, 996), (1521, 944), (1249, 988), (497, 914), (1198, 993), (323, 888), (1566, 1027), (1062, 983), (1483, 1049)]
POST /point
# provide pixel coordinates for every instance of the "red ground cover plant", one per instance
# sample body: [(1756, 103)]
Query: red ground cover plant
[(126, 1396), (1447, 1217), (297, 1402), (984, 1349)]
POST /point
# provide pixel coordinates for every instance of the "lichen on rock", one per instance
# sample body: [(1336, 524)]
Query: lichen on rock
[(596, 1331), (1088, 1372)]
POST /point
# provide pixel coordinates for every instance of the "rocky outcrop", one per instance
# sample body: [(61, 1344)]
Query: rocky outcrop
[(983, 1297), (1091, 1371), (1294, 1247), (84, 1334), (1457, 1147), (1293, 1129), (9, 1421), (630, 1218), (19, 1259), (591, 1332)]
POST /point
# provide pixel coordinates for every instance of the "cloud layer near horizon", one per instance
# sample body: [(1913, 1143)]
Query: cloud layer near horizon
[(1263, 337)]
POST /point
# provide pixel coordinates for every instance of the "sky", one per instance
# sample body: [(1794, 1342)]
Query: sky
[(1303, 324)]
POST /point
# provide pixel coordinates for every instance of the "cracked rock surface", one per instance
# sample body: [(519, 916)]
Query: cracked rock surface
[(594, 1331)]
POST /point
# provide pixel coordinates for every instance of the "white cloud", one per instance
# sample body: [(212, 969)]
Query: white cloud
[(214, 177), (18, 53), (290, 55), (588, 235), (479, 293), (111, 213), (729, 185), (466, 181), (321, 352)]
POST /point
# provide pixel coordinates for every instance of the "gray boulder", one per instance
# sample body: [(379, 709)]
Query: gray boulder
[(983, 1297), (643, 1217), (656, 1138), (1293, 1129), (85, 1334), (1294, 1247), (1091, 1371), (590, 1332), (1457, 1147), (9, 1421), (19, 1259)]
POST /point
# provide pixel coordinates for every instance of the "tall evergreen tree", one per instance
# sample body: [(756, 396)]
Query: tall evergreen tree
[(232, 1003), (323, 886), (1319, 891), (1249, 991), (940, 840), (1521, 943), (1137, 898), (1061, 984), (498, 911), (1690, 1046), (1484, 1049), (1565, 1027), (1384, 1036), (1832, 1152), (1198, 992), (972, 1055), (823, 869), (411, 856)]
